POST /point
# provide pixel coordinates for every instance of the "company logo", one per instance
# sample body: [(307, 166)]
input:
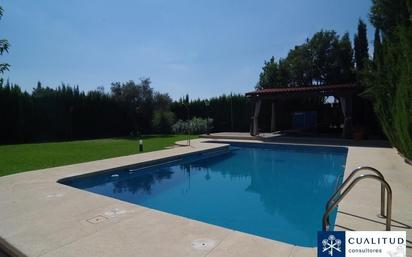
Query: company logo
[(331, 244), (362, 244)]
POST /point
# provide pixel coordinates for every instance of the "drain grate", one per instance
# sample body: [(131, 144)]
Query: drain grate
[(96, 219), (203, 244)]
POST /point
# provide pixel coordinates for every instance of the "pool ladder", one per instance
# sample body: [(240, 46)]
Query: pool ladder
[(341, 192)]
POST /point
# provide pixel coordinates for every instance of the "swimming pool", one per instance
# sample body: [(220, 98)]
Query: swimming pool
[(269, 190)]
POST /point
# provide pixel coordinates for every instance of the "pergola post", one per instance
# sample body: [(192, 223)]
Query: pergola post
[(273, 118), (346, 105), (255, 119)]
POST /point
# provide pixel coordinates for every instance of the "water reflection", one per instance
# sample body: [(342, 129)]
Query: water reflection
[(267, 192), (142, 182), (279, 182)]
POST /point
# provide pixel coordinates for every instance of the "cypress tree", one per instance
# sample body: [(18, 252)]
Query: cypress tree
[(345, 60), (377, 47), (389, 82), (361, 46)]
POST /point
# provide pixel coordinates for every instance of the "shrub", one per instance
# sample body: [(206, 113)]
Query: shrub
[(162, 121), (193, 126)]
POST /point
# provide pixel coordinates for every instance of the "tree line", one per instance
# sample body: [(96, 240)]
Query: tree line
[(134, 108), (129, 109), (63, 113)]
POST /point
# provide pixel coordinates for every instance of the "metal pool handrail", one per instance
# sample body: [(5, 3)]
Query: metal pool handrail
[(346, 191), (347, 180)]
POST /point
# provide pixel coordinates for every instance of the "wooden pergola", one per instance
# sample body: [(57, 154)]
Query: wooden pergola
[(343, 92)]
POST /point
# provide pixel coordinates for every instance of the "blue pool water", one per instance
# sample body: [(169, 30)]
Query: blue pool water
[(274, 191)]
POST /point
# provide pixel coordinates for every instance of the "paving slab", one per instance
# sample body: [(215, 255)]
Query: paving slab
[(158, 234), (245, 245)]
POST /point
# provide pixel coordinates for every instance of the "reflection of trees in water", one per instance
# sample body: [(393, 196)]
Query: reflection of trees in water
[(189, 168), (280, 192), (142, 182), (231, 169), (146, 180)]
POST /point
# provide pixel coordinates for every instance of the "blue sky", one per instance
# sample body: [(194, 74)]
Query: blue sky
[(201, 47)]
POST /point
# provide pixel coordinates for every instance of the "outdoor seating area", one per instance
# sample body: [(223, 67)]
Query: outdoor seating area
[(344, 92)]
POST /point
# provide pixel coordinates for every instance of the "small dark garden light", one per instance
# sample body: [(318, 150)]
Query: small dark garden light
[(140, 145)]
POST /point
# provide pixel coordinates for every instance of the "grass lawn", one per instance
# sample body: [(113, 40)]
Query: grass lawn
[(25, 157)]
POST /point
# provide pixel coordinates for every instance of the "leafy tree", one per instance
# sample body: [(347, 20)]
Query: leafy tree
[(138, 99), (325, 58), (361, 46), (300, 65), (274, 74), (332, 58), (324, 46), (4, 47), (163, 118), (283, 73), (163, 121), (162, 101), (269, 77)]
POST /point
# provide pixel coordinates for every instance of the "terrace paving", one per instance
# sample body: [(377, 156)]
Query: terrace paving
[(40, 217)]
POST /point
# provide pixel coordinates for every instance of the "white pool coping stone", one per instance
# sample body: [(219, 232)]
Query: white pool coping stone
[(40, 217)]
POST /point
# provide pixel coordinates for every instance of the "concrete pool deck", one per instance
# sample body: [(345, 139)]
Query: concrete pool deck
[(39, 217)]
